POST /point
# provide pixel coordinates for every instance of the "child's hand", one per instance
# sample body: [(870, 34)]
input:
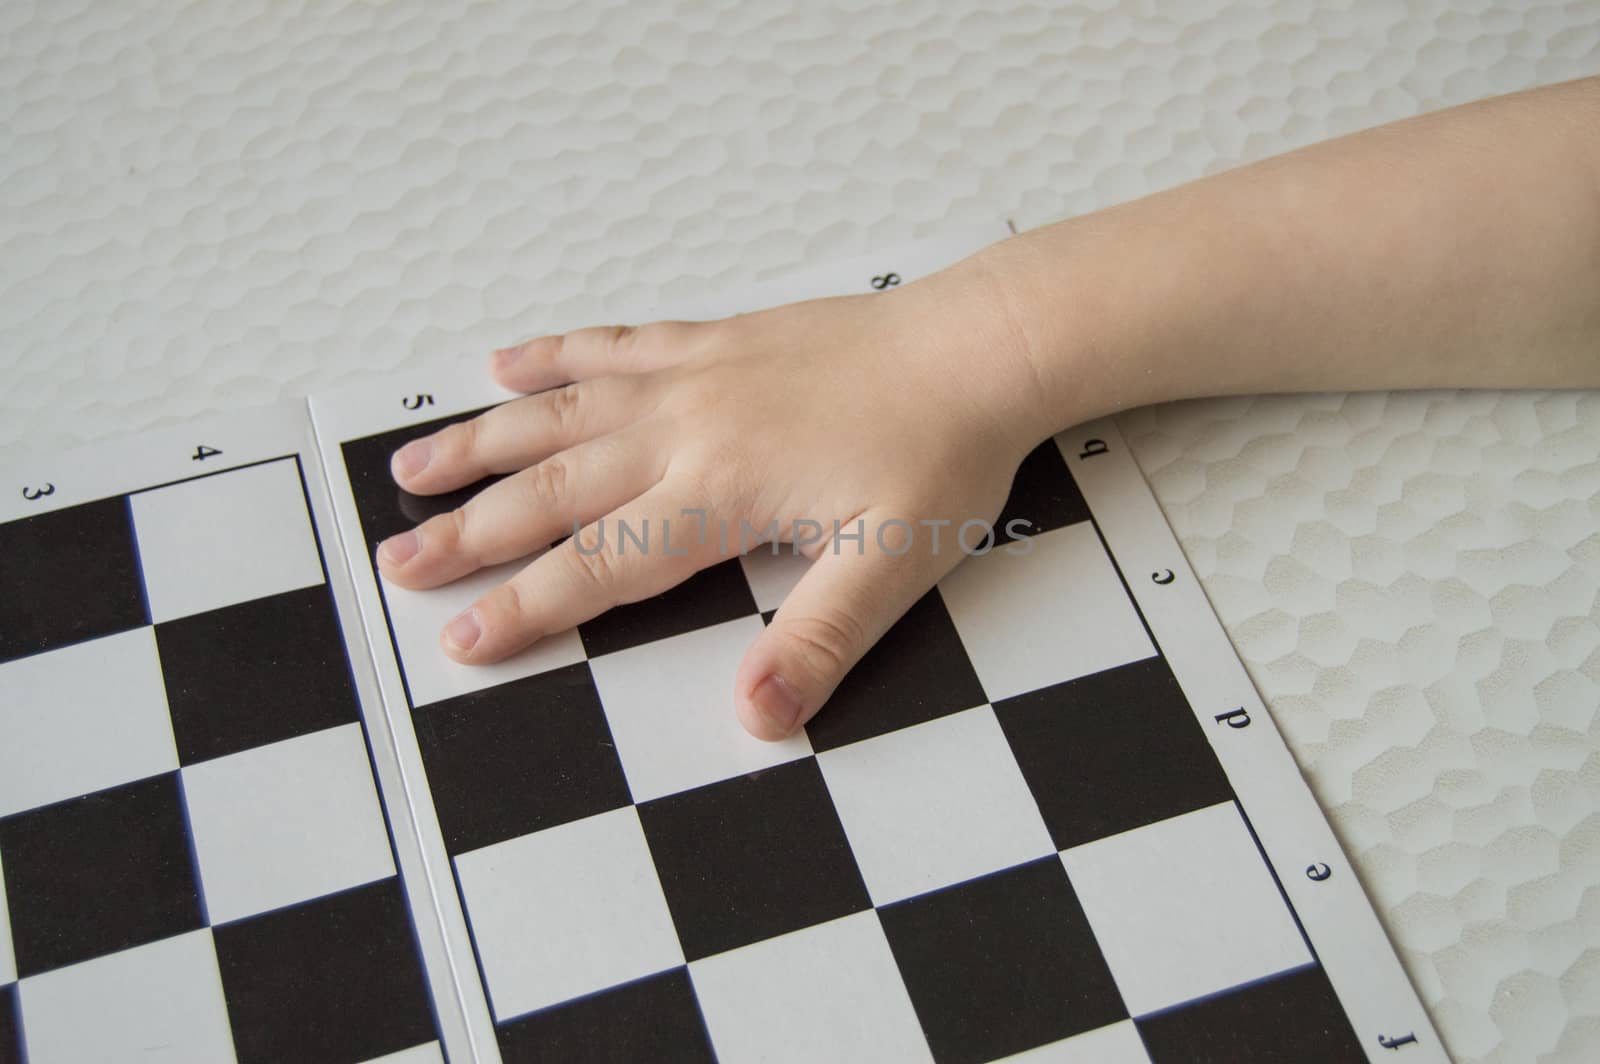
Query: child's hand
[(1320, 270), (903, 406)]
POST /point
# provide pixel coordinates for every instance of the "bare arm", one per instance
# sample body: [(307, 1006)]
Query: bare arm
[(1457, 249)]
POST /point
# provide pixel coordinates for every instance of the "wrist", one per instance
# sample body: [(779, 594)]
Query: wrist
[(949, 341), (1050, 329)]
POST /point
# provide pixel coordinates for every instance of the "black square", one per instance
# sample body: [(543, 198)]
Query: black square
[(383, 507), (656, 1018), (10, 1028), (918, 671), (709, 597), (336, 979), (1043, 496), (752, 857), (1112, 751), (67, 576), (97, 874), (1003, 963), (1291, 1017), (251, 674), (519, 757)]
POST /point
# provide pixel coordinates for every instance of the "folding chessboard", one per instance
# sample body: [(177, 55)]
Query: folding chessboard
[(249, 811)]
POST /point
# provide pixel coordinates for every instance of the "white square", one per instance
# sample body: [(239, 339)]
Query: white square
[(1051, 614), (772, 576), (1115, 1043), (286, 822), (934, 804), (223, 539), (829, 992), (83, 718), (8, 960), (159, 1002), (567, 911), (1183, 908), (670, 706), (419, 616)]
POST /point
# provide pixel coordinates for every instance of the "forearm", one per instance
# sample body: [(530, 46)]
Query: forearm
[(1457, 249)]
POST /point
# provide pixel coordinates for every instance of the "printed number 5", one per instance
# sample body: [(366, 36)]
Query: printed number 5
[(887, 280), (38, 493)]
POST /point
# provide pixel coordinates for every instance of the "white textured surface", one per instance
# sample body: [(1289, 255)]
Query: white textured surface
[(1414, 583), (208, 204)]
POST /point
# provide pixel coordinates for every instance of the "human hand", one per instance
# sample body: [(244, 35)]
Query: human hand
[(891, 410), (1319, 270)]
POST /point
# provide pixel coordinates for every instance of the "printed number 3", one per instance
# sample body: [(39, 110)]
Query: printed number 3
[(38, 493)]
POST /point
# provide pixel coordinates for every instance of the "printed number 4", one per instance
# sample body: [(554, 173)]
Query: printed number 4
[(202, 452)]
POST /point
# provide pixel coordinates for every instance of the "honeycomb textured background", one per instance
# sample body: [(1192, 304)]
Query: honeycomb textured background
[(212, 205)]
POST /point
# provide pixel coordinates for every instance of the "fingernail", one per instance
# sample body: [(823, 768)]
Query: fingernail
[(397, 550), (777, 702), (507, 357), (413, 458), (463, 632)]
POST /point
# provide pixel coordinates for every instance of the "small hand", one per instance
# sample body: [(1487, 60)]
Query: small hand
[(889, 410)]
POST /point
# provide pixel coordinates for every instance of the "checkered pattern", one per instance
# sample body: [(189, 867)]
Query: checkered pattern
[(192, 850), (1006, 833)]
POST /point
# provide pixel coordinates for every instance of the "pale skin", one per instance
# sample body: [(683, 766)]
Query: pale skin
[(1458, 249)]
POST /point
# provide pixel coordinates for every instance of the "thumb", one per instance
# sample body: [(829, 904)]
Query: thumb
[(852, 594)]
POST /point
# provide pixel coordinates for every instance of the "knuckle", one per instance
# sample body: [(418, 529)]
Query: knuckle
[(459, 440), (547, 481), (621, 340), (504, 605), (457, 527), (829, 642), (695, 404), (441, 532), (566, 407), (546, 351), (704, 484), (594, 559)]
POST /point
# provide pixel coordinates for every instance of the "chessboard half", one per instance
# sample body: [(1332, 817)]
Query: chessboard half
[(1046, 815), (196, 863)]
